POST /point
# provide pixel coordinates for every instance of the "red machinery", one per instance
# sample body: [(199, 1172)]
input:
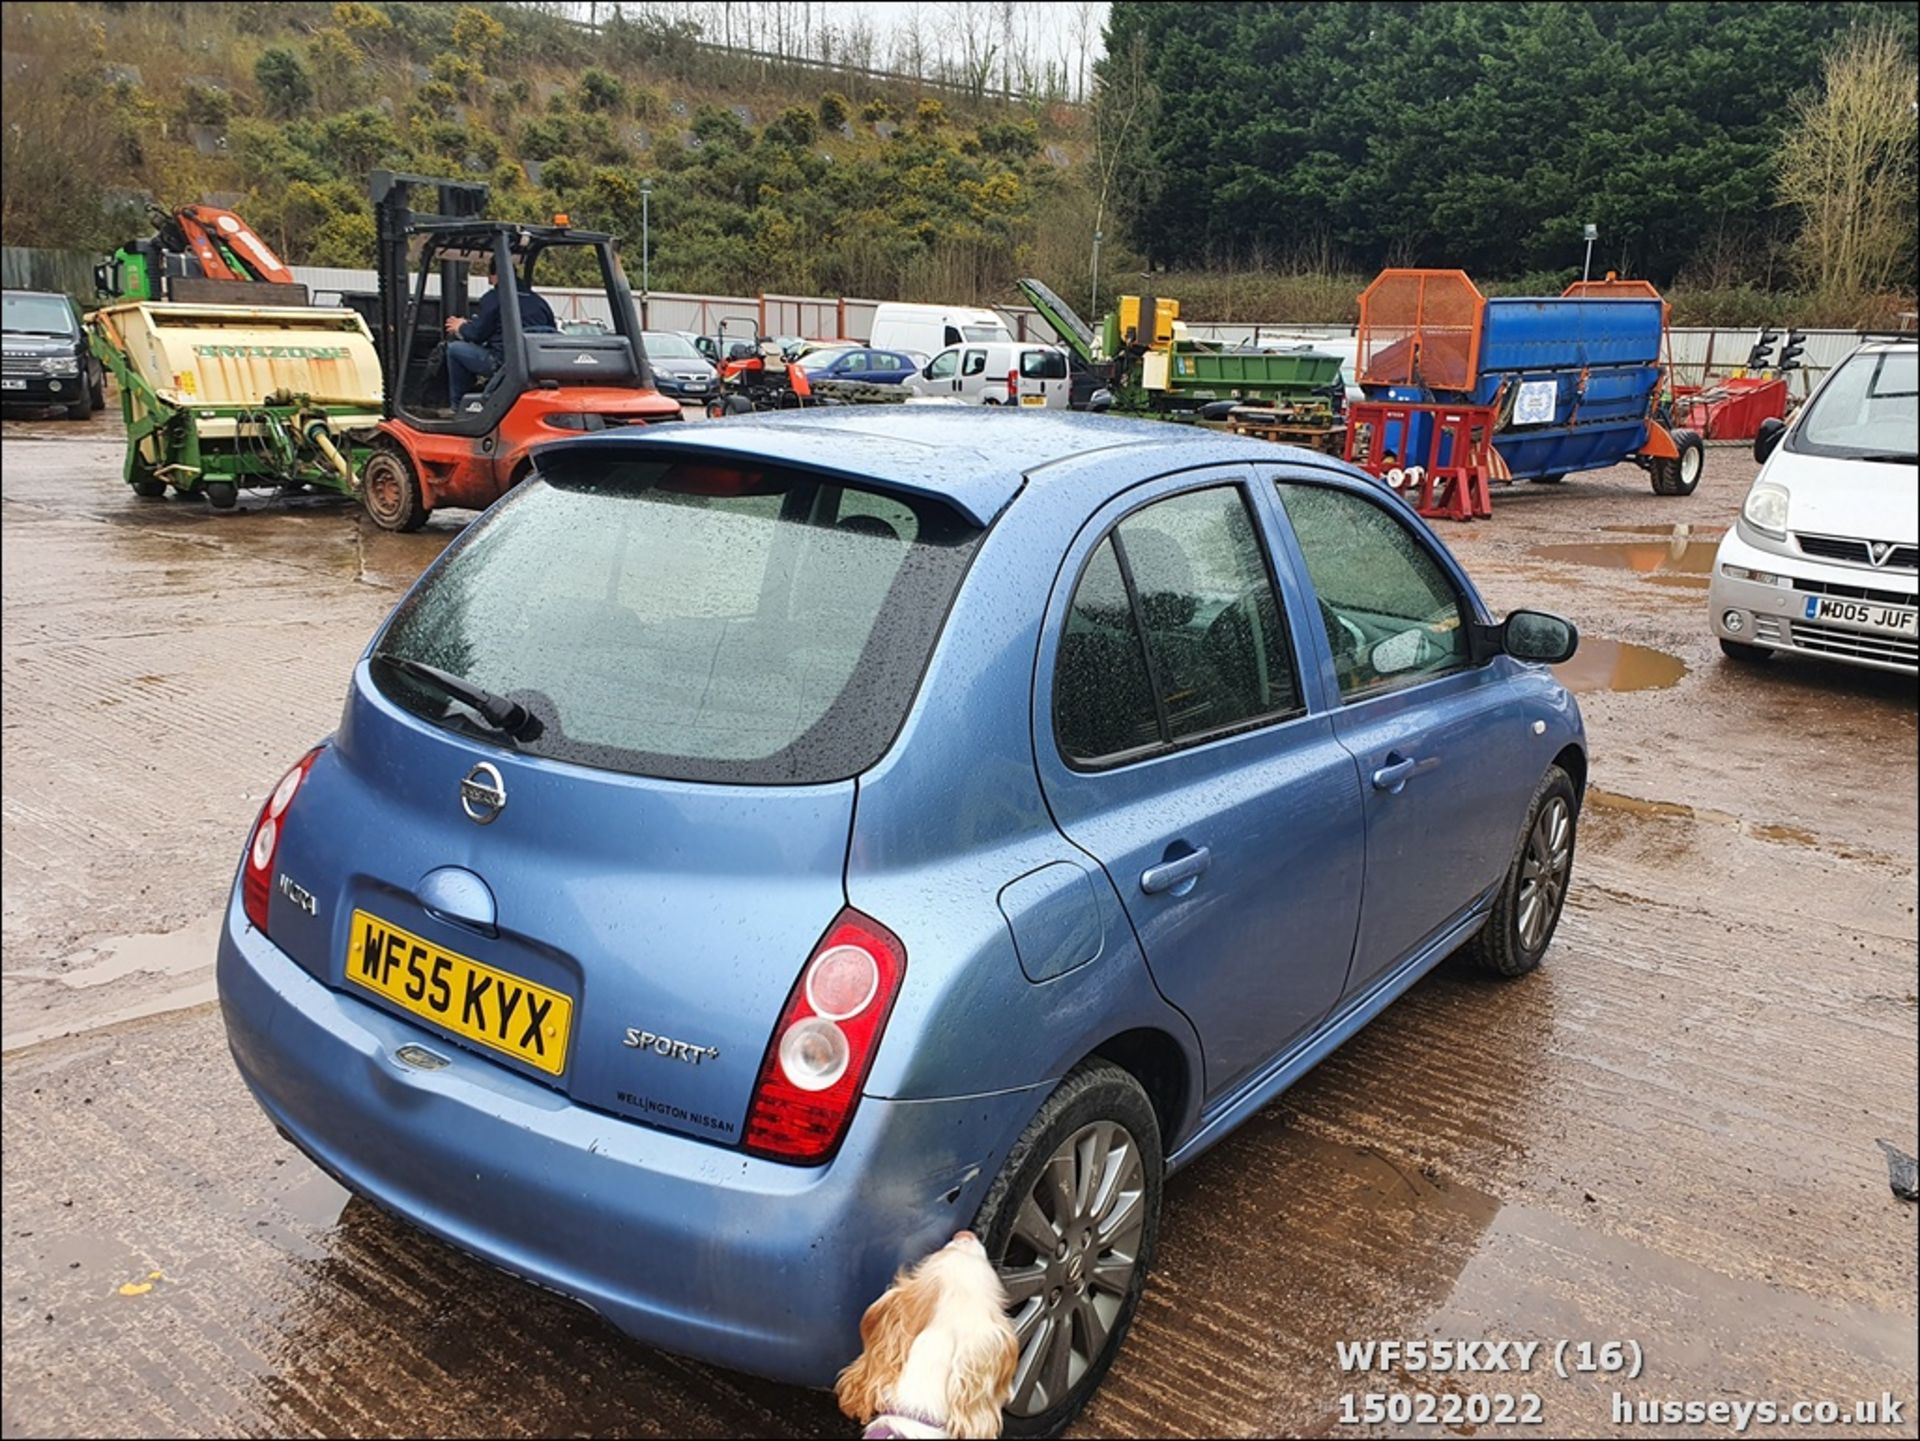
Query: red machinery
[(1454, 473), (1732, 409)]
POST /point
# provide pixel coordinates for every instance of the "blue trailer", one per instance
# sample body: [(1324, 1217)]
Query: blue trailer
[(1572, 382)]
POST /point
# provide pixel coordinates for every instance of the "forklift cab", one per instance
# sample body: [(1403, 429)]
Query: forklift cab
[(434, 449), (426, 261), (530, 358)]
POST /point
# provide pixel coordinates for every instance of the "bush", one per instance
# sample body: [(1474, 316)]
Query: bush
[(545, 136), (434, 101), (364, 24), (647, 103), (834, 110), (457, 71), (794, 128), (344, 239), (715, 126), (929, 116), (357, 141), (1011, 139), (285, 86), (478, 36), (339, 64), (876, 110), (600, 92), (205, 104)]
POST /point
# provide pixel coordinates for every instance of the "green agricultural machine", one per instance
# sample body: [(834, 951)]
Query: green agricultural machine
[(1145, 358), (228, 378)]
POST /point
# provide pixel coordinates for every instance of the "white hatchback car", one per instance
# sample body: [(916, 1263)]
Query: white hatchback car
[(1010, 372), (1823, 559)]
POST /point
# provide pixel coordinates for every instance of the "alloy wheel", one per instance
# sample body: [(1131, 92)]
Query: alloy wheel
[(1071, 1261), (1543, 872)]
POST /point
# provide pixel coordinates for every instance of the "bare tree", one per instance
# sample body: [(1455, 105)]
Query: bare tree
[(1121, 103), (1848, 166)]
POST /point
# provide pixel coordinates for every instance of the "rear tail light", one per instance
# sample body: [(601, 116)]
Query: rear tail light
[(1013, 384), (824, 1045), (256, 880)]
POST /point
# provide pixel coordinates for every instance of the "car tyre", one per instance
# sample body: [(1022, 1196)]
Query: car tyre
[(391, 492), (1547, 479), (79, 410), (1527, 910), (1074, 1256), (97, 395), (1746, 654), (1679, 475)]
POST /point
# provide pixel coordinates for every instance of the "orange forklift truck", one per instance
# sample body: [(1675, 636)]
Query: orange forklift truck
[(429, 452)]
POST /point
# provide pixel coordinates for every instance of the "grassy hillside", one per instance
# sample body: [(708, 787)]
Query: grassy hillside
[(762, 179)]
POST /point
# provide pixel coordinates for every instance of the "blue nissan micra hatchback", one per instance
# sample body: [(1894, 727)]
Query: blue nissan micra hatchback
[(754, 850)]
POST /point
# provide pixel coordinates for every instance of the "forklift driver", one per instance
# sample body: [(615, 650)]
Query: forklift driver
[(477, 347)]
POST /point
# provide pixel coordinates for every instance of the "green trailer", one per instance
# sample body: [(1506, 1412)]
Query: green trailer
[(1151, 366)]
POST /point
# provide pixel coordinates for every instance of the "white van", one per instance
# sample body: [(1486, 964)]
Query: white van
[(927, 328), (1023, 373)]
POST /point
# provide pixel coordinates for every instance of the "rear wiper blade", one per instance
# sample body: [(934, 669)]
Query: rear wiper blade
[(1889, 459), (508, 717)]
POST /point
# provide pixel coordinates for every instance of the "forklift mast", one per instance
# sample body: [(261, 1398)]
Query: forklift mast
[(393, 220)]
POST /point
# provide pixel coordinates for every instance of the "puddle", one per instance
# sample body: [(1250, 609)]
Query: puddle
[(1686, 532), (170, 953), (1616, 665), (121, 978), (1680, 554), (1776, 832)]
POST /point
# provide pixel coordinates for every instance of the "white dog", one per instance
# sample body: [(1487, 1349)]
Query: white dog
[(937, 1350)]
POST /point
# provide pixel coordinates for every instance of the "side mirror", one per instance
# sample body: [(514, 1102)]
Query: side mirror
[(1539, 638), (1767, 439)]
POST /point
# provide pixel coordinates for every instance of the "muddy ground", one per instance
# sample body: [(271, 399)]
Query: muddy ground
[(1666, 1136)]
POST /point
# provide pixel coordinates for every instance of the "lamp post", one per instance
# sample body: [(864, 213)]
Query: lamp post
[(646, 249), (1592, 234), (1098, 236)]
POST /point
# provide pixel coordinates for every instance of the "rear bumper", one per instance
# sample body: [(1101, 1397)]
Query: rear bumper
[(1775, 616), (691, 1247)]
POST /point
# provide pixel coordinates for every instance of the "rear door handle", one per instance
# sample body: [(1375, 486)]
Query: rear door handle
[(1392, 777), (1167, 875)]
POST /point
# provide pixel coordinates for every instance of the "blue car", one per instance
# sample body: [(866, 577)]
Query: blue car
[(753, 851), (873, 367)]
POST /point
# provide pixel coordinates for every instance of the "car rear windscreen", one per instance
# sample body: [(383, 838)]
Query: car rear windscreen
[(688, 619), (1043, 364)]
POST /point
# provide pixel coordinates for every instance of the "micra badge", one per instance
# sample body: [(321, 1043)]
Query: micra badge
[(666, 1046), (298, 894)]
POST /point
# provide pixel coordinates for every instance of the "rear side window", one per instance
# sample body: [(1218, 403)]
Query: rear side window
[(690, 620), (1043, 365), (1186, 581)]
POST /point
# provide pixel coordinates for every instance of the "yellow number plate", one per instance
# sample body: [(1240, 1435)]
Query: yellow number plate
[(1033, 400), (488, 1007)]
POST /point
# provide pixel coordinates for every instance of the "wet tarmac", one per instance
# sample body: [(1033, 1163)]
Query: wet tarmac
[(1665, 1136)]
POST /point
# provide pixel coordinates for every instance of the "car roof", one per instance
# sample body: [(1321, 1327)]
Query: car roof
[(974, 457)]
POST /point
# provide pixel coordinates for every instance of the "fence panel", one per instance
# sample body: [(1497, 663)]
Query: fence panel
[(25, 268)]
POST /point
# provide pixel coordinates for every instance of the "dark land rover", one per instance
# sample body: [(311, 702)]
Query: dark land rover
[(45, 362)]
